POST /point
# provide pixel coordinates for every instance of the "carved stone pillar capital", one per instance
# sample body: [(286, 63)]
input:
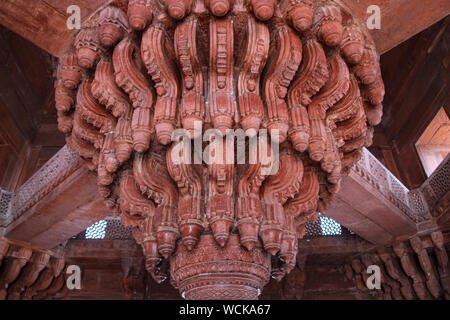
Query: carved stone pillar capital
[(145, 86)]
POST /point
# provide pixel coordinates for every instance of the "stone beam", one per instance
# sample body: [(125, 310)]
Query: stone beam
[(102, 249), (112, 269), (43, 22), (333, 245), (362, 209), (400, 19), (374, 204), (53, 222), (58, 202)]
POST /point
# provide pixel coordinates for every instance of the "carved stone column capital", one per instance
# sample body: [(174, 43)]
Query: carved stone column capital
[(296, 83)]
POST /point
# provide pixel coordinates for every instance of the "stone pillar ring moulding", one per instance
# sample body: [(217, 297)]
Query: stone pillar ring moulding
[(304, 70)]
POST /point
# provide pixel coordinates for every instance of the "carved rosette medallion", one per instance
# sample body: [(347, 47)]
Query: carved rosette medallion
[(304, 74)]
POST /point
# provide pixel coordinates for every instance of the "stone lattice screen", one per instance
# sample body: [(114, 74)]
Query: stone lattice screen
[(437, 185), (108, 229)]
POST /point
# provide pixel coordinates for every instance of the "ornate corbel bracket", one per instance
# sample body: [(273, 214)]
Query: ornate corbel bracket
[(190, 59), (221, 104), (250, 68), (129, 76), (285, 56), (159, 58)]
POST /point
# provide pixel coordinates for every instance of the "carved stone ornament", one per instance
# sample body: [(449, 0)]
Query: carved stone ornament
[(157, 97)]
